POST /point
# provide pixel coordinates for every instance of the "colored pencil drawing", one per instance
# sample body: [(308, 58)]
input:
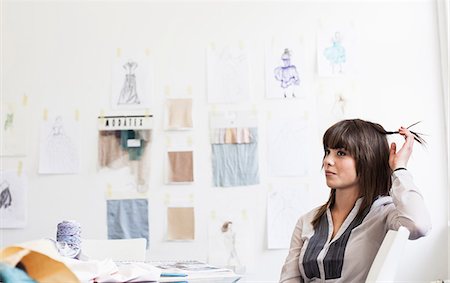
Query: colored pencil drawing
[(287, 74)]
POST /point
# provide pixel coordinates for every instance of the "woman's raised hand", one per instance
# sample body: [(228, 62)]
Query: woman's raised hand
[(400, 159)]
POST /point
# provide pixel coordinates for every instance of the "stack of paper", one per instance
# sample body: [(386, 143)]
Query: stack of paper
[(193, 271)]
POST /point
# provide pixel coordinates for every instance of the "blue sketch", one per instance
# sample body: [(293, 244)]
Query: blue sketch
[(128, 94), (287, 74), (335, 54)]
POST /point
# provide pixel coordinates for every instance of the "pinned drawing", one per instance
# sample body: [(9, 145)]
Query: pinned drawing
[(287, 74), (284, 69), (288, 146), (337, 51), (13, 212), (230, 233), (14, 128), (128, 94), (132, 81), (229, 237), (228, 74), (59, 148), (335, 54), (5, 195), (285, 204)]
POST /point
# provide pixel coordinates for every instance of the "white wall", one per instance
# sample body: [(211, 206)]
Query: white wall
[(59, 54)]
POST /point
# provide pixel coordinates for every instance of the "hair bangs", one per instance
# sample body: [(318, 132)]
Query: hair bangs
[(342, 136)]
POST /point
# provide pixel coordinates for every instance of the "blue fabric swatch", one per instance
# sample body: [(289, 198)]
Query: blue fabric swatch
[(128, 219), (236, 164)]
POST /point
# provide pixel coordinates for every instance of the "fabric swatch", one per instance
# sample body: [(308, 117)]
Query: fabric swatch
[(179, 113), (236, 164), (128, 219), (115, 151), (180, 223), (181, 166)]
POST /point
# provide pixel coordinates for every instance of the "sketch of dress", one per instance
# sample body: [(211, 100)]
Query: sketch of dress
[(287, 74), (5, 195), (60, 150), (335, 54), (128, 94)]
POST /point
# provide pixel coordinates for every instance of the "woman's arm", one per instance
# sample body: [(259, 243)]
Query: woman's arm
[(410, 210), (290, 273)]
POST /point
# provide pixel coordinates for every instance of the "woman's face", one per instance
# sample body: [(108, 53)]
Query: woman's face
[(340, 169)]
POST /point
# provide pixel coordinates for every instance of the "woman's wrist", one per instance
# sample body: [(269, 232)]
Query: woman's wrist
[(399, 168)]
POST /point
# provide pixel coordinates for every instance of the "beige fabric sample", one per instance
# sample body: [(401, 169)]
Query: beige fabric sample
[(180, 223), (179, 113), (181, 166)]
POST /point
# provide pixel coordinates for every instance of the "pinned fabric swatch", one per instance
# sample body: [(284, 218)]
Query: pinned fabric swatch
[(128, 219), (235, 157), (180, 223), (126, 148), (179, 113), (181, 166)]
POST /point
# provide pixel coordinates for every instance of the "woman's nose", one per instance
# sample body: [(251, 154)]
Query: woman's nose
[(328, 160)]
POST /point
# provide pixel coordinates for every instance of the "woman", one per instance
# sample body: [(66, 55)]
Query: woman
[(371, 193)]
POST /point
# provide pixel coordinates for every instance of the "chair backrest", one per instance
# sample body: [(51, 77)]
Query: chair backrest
[(385, 265), (117, 250)]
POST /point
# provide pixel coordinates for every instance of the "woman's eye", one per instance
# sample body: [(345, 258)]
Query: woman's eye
[(327, 151), (341, 153)]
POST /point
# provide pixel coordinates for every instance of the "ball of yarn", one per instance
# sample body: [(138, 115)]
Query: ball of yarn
[(68, 237)]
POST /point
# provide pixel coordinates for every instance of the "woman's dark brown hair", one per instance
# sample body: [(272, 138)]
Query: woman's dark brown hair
[(366, 142)]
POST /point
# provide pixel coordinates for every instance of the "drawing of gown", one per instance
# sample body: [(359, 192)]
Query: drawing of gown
[(60, 150), (335, 54), (287, 74), (128, 94)]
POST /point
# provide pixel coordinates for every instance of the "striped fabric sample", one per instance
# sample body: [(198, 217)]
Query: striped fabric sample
[(235, 157)]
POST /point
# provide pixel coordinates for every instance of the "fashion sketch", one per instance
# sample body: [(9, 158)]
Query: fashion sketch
[(5, 195), (229, 237), (128, 94), (13, 205), (287, 74), (335, 54), (59, 153)]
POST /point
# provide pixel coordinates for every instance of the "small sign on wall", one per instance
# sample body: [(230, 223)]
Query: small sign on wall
[(132, 122)]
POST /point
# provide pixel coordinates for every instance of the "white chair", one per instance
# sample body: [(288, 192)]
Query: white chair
[(117, 250), (385, 265)]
